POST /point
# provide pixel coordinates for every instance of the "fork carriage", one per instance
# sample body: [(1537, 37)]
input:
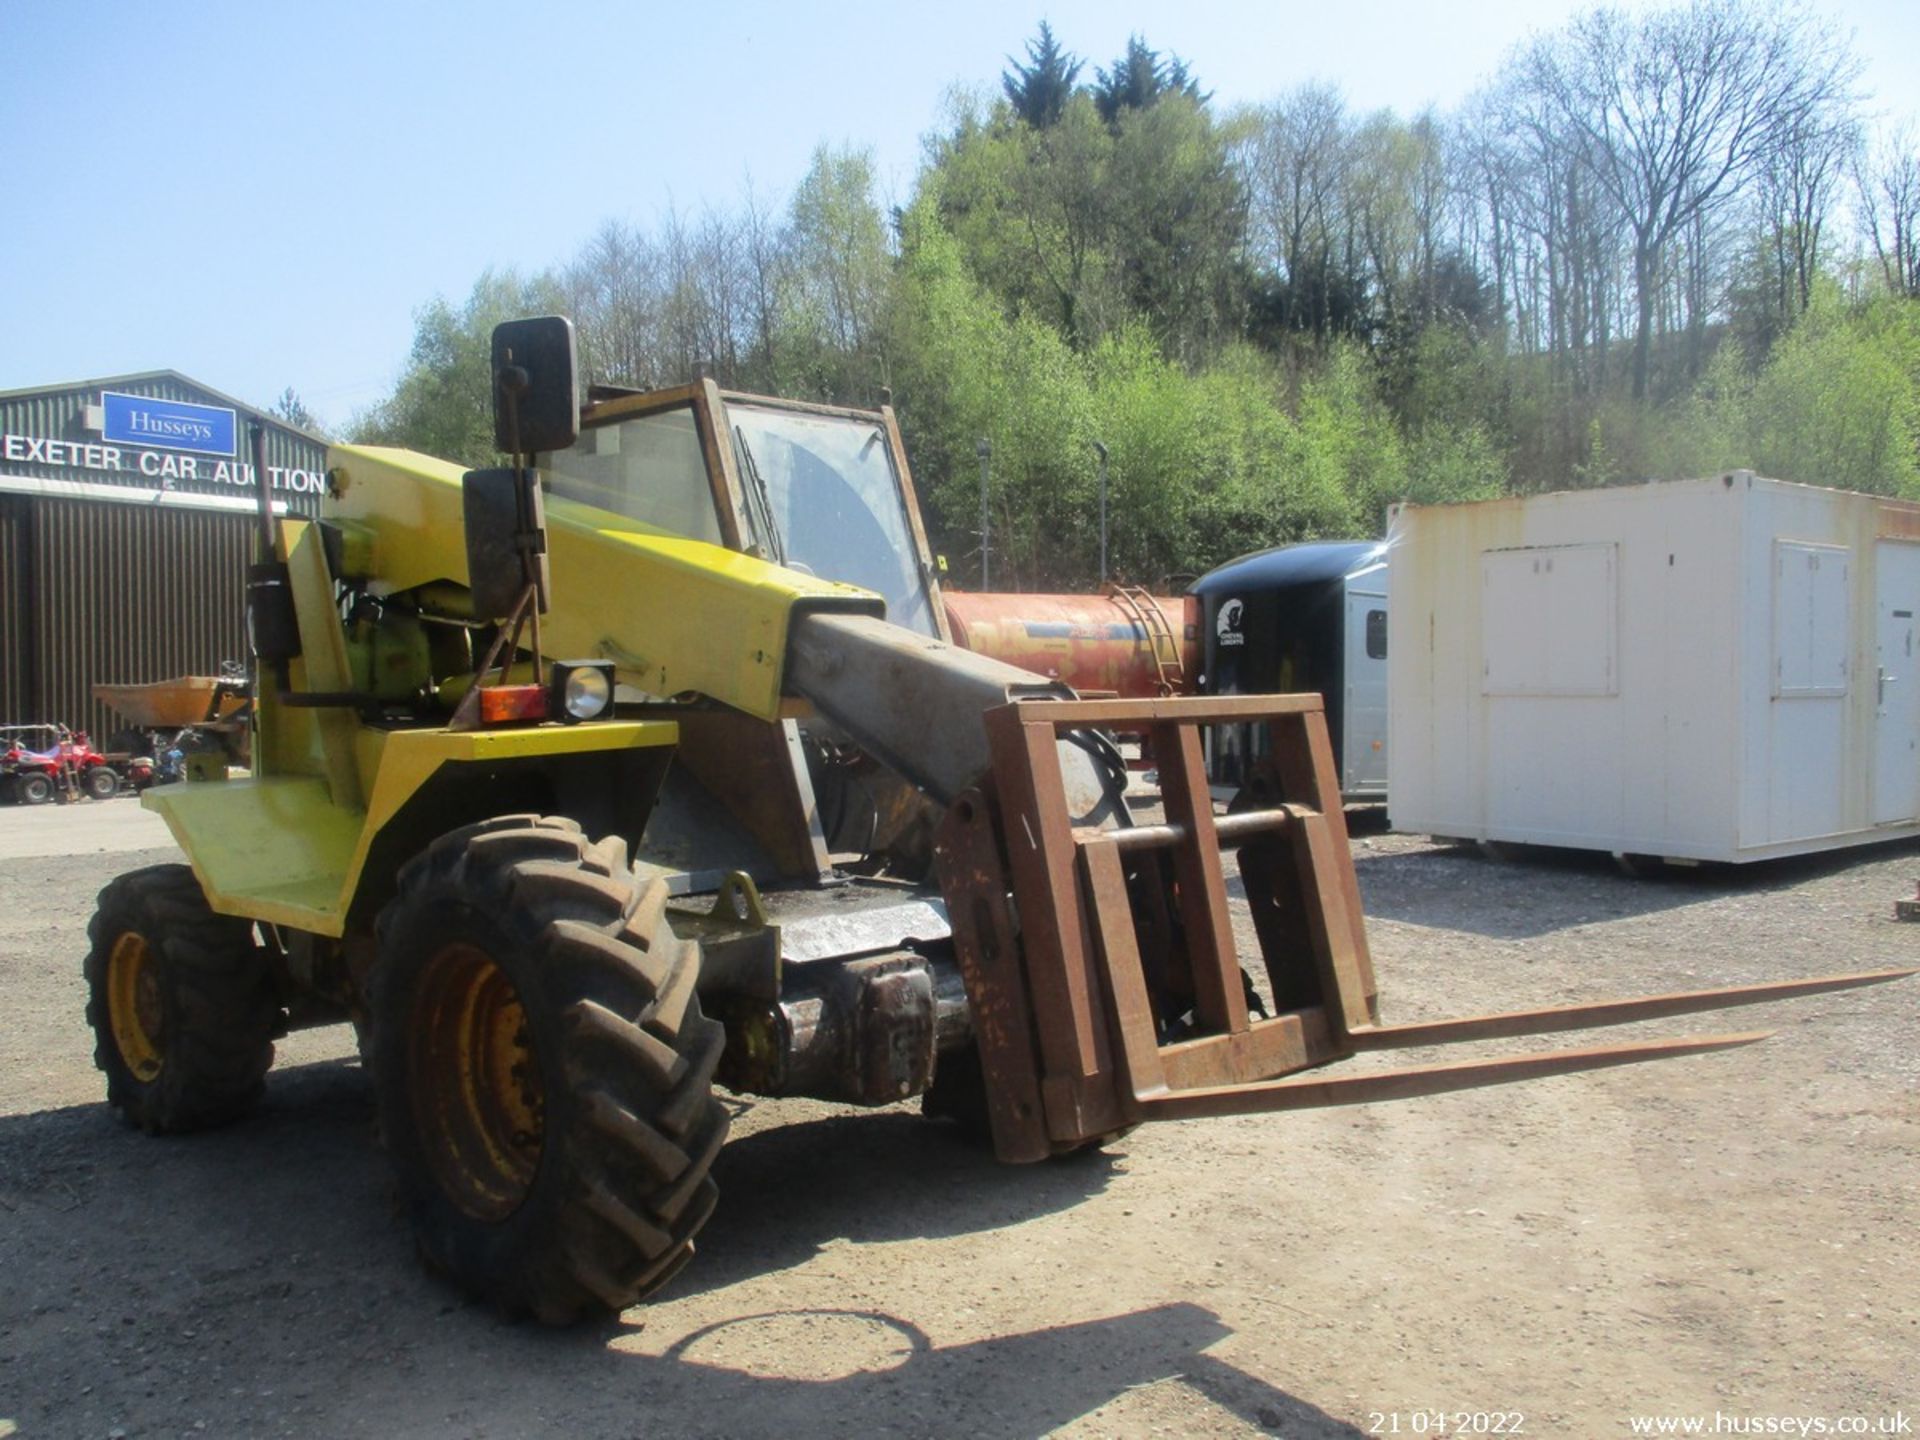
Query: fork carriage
[(1106, 974)]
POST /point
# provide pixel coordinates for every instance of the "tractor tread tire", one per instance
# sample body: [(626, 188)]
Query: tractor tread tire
[(218, 998), (630, 1124)]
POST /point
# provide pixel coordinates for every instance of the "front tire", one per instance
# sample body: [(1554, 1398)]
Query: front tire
[(102, 783), (542, 1069), (181, 1002)]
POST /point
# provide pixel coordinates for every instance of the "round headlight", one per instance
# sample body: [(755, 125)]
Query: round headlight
[(587, 693)]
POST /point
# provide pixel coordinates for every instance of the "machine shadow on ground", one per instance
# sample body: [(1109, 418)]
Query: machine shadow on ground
[(153, 1282), (787, 1189), (1023, 1384)]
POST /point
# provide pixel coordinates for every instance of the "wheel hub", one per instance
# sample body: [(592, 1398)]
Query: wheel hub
[(135, 1013), (476, 1083)]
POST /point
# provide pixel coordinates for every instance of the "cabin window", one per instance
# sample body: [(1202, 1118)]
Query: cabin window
[(650, 468), (1376, 634), (1809, 619)]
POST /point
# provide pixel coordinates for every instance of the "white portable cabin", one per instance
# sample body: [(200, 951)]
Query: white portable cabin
[(1717, 669)]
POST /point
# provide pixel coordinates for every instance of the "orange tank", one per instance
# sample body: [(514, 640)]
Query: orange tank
[(1125, 642)]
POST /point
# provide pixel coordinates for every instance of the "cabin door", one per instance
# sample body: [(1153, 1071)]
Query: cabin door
[(1363, 751), (1896, 725)]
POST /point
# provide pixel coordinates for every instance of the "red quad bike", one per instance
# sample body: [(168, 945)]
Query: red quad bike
[(37, 763), (98, 775)]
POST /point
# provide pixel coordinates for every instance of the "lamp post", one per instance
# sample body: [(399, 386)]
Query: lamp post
[(985, 451), (1102, 449)]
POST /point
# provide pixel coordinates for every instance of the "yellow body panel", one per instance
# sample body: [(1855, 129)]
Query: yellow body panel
[(673, 614), (273, 848), (323, 665), (278, 849)]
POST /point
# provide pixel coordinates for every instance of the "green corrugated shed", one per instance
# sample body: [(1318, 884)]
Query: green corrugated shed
[(110, 574)]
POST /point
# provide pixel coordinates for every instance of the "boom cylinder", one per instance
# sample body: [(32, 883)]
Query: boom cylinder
[(915, 704)]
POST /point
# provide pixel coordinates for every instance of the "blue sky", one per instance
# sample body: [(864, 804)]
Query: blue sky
[(260, 195)]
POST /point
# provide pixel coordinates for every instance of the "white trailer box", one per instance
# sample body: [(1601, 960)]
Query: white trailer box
[(1716, 669)]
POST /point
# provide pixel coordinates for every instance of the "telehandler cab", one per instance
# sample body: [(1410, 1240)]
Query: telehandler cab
[(643, 765)]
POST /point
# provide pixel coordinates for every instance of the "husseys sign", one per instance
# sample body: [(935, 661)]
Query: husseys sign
[(166, 424)]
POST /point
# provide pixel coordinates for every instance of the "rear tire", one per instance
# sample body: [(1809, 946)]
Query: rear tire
[(181, 1002), (33, 787), (543, 1070)]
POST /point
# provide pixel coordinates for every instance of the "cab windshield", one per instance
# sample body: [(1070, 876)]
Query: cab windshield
[(823, 493)]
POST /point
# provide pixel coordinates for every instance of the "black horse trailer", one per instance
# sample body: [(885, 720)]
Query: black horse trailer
[(1308, 617)]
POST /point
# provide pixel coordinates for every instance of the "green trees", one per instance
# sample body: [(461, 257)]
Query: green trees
[(1835, 402), (1140, 79), (1204, 464), (1089, 225), (1629, 256), (1838, 401), (1039, 90), (835, 280), (292, 409), (970, 371), (1026, 205), (443, 403), (1670, 112), (1889, 189)]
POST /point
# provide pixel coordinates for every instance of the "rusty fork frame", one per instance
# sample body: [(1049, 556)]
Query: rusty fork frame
[(1076, 943)]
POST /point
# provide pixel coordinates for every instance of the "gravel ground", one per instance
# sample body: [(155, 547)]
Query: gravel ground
[(1728, 1234)]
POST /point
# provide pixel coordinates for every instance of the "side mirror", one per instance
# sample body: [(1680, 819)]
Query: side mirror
[(535, 404), (534, 409), (506, 540)]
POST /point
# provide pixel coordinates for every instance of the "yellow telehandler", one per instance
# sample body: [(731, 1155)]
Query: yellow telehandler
[(642, 765)]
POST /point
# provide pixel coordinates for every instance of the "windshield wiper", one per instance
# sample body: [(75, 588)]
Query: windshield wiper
[(759, 498)]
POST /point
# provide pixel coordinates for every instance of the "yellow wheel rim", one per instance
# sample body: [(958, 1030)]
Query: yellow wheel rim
[(476, 1083), (133, 1005)]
